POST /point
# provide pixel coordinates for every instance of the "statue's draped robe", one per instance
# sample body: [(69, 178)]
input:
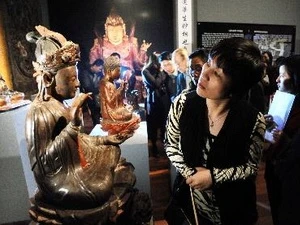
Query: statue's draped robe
[(53, 151)]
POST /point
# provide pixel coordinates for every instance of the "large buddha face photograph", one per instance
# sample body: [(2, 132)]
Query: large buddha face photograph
[(152, 21)]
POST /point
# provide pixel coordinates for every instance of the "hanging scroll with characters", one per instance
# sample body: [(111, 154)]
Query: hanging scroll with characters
[(185, 24)]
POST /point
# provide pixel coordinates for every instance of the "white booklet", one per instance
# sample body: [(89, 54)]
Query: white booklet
[(280, 109)]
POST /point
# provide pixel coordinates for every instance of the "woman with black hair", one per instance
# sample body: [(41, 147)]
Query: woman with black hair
[(215, 139)]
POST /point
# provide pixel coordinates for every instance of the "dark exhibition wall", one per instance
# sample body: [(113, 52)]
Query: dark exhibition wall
[(80, 20)]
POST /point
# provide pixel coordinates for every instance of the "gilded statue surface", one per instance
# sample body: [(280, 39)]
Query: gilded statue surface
[(81, 179), (115, 39), (117, 116)]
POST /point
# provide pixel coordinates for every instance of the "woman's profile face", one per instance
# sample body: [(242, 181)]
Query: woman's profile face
[(67, 83), (284, 80), (213, 83), (115, 34)]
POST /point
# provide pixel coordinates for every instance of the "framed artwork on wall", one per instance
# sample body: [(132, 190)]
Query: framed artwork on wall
[(20, 52)]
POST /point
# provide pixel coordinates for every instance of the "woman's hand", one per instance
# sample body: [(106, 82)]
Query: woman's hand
[(123, 86), (276, 133), (270, 122), (76, 111), (269, 118), (201, 179)]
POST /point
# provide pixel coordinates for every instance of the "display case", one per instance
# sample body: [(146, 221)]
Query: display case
[(17, 183)]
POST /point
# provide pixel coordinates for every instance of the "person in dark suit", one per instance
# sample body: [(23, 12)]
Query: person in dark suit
[(149, 74), (89, 82), (196, 61)]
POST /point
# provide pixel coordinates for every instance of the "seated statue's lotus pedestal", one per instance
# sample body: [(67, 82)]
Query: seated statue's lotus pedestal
[(81, 179)]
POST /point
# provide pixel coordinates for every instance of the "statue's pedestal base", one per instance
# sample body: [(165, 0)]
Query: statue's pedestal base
[(43, 213), (133, 208)]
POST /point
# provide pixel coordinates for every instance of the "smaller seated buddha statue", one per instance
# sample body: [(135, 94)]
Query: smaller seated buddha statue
[(116, 115)]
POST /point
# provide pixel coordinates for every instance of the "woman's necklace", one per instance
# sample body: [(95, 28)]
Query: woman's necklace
[(212, 122)]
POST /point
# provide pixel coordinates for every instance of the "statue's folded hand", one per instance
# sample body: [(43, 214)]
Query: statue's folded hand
[(75, 111)]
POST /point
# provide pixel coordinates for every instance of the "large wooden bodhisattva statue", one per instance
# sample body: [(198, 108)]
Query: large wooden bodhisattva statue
[(81, 179)]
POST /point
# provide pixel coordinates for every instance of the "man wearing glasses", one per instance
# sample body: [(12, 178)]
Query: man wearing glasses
[(196, 60)]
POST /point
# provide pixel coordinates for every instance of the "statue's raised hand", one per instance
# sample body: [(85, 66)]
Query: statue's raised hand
[(145, 46), (75, 111)]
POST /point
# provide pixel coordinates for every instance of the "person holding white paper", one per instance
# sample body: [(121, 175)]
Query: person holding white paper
[(278, 153)]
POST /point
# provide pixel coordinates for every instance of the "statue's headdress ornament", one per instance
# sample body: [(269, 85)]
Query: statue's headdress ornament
[(53, 51), (111, 62), (114, 19)]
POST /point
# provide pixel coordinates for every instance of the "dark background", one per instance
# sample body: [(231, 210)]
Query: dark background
[(77, 20)]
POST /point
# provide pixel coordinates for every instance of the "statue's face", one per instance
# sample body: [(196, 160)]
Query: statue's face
[(67, 83), (115, 73), (115, 34)]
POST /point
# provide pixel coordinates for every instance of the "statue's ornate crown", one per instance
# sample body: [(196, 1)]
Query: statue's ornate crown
[(114, 19), (65, 56), (53, 51)]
